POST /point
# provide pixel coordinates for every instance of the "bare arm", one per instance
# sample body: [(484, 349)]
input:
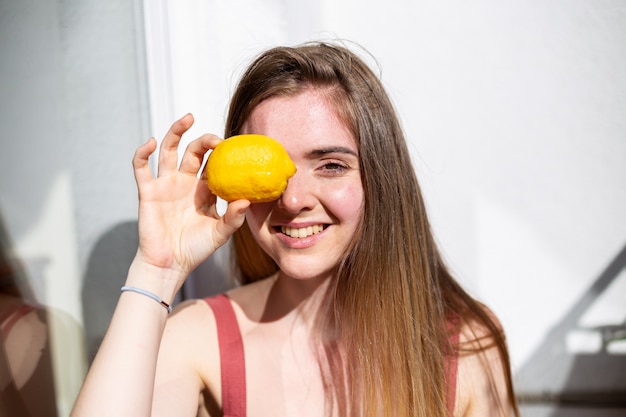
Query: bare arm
[(178, 228)]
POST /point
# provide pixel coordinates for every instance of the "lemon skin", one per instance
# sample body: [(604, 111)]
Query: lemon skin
[(249, 167)]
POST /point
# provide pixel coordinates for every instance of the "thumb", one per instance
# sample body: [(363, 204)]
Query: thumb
[(234, 216)]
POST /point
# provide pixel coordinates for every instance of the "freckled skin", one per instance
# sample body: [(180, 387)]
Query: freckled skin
[(326, 188)]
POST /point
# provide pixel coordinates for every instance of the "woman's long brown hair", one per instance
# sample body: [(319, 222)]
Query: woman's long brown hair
[(384, 330)]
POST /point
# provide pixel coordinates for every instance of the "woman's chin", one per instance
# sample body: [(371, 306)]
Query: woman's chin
[(305, 273)]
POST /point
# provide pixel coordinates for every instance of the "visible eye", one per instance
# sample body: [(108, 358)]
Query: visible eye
[(335, 160), (334, 167)]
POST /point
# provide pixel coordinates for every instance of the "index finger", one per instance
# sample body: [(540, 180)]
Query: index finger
[(194, 154)]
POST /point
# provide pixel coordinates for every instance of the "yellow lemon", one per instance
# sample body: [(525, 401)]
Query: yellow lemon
[(250, 167)]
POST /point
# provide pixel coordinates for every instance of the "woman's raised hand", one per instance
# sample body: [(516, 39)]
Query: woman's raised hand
[(179, 225), (178, 228)]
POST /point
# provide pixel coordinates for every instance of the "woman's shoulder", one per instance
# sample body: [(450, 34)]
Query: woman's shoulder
[(482, 369), (191, 321), (479, 331), (190, 345), (196, 317)]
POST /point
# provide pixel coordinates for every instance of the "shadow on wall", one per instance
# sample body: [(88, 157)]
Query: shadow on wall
[(106, 272), (580, 367)]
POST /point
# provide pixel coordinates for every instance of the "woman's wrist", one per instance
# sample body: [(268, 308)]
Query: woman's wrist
[(162, 282)]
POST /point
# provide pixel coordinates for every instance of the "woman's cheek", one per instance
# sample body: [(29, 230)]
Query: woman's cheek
[(346, 201)]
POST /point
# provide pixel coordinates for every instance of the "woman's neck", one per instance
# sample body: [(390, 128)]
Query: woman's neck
[(299, 297)]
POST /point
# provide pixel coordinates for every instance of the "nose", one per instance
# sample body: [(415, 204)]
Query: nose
[(299, 195)]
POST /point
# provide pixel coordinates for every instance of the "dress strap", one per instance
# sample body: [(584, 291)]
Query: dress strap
[(232, 359), (233, 369)]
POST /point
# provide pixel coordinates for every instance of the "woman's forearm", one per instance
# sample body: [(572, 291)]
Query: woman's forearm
[(120, 381)]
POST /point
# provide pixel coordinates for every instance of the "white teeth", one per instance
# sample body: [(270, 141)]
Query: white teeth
[(302, 231)]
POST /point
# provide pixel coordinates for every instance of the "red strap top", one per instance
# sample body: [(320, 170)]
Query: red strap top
[(233, 367), (232, 359)]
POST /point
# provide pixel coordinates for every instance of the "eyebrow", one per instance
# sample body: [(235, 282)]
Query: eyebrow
[(333, 149)]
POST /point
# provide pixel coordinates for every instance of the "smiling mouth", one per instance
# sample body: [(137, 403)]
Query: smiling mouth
[(302, 232)]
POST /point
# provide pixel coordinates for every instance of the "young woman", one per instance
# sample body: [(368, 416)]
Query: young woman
[(345, 307)]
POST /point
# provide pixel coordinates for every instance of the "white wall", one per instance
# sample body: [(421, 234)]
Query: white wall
[(74, 108)]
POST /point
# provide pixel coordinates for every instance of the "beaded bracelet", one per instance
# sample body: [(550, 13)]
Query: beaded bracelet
[(148, 294)]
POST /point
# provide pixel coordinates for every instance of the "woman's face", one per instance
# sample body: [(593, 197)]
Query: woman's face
[(307, 230)]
